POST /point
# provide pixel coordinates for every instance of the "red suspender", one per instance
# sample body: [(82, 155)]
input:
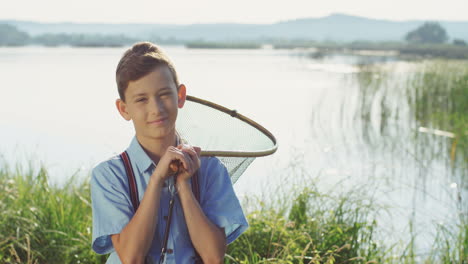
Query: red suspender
[(196, 193), (196, 187), (131, 180)]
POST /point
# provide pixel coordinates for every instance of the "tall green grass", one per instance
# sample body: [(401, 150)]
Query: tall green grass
[(44, 223), (313, 228), (451, 244)]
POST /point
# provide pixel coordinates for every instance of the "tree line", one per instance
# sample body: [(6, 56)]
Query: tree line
[(428, 33), (11, 36)]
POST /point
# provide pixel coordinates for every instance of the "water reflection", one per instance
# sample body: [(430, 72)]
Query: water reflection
[(424, 108), (408, 123)]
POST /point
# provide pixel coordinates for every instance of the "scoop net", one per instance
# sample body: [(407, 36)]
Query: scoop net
[(233, 138)]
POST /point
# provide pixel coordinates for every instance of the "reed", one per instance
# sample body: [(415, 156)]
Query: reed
[(431, 95)]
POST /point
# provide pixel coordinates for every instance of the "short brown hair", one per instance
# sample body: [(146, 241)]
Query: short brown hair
[(141, 59)]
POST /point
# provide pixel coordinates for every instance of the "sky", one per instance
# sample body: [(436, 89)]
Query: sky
[(220, 11)]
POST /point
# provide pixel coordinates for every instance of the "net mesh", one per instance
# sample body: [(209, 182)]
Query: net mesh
[(218, 131)]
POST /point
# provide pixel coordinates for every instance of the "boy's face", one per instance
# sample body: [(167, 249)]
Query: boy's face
[(152, 103)]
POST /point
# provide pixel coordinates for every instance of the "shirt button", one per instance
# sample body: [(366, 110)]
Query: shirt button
[(169, 251)]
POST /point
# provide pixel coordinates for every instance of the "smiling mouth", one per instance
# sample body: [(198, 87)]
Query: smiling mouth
[(158, 121)]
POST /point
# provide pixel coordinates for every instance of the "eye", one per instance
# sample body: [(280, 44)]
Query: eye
[(141, 100)]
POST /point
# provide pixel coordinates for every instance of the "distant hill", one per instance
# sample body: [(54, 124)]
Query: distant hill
[(336, 27)]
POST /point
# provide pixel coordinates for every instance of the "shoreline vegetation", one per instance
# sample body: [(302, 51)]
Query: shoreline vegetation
[(408, 50), (10, 36), (320, 49), (45, 223), (314, 49), (222, 45)]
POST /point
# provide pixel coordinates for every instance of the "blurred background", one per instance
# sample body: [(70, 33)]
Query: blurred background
[(368, 101)]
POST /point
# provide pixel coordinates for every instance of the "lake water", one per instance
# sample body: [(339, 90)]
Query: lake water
[(58, 110)]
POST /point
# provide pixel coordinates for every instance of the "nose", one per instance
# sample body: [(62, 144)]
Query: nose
[(155, 107)]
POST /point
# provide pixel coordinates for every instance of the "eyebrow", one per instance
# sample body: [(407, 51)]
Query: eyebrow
[(165, 89), (144, 94), (137, 95)]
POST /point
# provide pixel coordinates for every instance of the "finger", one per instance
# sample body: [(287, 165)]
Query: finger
[(194, 158), (185, 159), (175, 165), (186, 146), (197, 150), (190, 151), (184, 167), (179, 159)]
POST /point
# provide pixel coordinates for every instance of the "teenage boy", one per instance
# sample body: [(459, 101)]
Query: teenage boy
[(150, 95)]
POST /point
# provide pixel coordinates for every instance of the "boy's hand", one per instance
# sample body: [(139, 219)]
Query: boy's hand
[(185, 158), (192, 155)]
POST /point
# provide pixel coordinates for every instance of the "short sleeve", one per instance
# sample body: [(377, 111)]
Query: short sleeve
[(219, 201), (111, 206)]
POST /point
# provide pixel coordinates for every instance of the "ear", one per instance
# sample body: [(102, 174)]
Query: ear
[(122, 107), (181, 95)]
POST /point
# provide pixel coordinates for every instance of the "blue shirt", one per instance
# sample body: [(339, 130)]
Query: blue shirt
[(112, 207)]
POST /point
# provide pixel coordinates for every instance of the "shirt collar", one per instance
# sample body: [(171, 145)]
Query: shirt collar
[(138, 156)]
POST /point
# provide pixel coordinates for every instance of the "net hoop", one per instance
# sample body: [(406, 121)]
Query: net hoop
[(235, 114)]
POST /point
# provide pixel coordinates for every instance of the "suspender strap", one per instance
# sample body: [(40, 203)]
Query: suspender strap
[(196, 186), (166, 232), (131, 180), (196, 193)]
